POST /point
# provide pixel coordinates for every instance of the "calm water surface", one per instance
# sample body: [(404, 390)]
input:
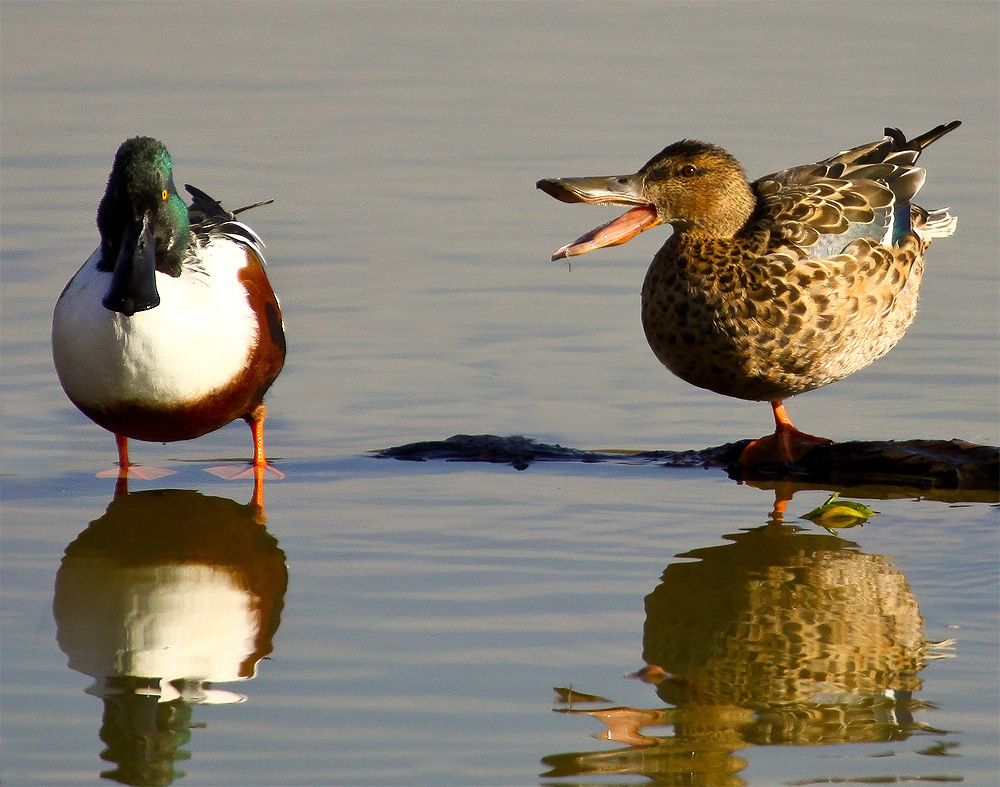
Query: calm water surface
[(396, 623)]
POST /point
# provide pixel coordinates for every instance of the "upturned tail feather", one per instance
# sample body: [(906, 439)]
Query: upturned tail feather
[(935, 224)]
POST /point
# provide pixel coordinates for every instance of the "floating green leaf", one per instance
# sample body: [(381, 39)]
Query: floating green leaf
[(839, 514)]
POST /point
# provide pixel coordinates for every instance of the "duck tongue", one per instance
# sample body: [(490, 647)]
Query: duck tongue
[(621, 230)]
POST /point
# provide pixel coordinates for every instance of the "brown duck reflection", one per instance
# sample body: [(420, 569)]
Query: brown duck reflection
[(168, 593), (778, 637)]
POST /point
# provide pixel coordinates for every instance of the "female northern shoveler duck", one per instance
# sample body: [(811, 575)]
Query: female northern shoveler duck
[(170, 330), (769, 289)]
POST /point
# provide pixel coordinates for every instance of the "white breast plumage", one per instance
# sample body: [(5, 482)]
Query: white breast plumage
[(194, 342)]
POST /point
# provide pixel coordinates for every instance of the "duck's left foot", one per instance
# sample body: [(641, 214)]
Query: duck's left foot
[(236, 472), (787, 446), (127, 470)]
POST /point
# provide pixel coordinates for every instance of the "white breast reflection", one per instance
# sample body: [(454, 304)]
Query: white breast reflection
[(165, 595), (183, 624)]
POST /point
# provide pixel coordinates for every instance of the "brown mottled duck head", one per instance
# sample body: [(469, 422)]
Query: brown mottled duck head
[(689, 185)]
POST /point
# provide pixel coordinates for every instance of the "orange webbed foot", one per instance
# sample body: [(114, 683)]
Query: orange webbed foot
[(259, 468), (776, 448), (787, 445)]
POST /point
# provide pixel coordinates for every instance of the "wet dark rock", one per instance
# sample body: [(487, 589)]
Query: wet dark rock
[(515, 450), (926, 464), (919, 464)]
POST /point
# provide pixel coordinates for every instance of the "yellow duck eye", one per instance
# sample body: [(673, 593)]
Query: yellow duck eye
[(164, 195)]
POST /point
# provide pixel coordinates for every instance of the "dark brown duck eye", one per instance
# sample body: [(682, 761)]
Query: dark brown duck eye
[(688, 170)]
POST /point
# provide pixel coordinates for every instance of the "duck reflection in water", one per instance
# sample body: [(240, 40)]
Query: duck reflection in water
[(779, 637), (167, 593)]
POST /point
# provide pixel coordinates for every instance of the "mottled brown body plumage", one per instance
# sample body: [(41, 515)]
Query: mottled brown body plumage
[(769, 289), (731, 317)]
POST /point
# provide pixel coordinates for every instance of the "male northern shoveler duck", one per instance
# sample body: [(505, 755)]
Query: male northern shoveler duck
[(769, 289), (170, 330)]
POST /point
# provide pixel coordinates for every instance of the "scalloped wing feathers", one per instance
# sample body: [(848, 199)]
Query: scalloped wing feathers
[(819, 210)]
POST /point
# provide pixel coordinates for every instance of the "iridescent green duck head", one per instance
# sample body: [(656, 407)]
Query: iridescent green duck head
[(144, 226), (690, 185)]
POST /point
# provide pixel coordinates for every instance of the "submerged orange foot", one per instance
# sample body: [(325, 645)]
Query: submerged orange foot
[(136, 471), (126, 469), (236, 472), (787, 444)]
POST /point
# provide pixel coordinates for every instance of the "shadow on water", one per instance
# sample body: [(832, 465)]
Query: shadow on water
[(779, 637), (168, 592)]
